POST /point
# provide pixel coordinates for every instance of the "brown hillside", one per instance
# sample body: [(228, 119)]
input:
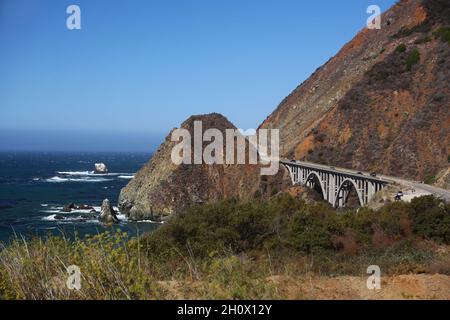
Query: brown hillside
[(382, 103), (162, 188)]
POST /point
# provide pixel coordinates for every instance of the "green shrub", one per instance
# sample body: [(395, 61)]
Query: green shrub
[(309, 232), (400, 48), (228, 250), (430, 179), (237, 226), (431, 218), (443, 33), (413, 58)]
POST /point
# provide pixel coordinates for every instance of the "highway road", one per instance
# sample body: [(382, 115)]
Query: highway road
[(419, 187)]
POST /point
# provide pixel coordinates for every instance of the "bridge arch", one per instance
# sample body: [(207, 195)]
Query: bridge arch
[(336, 185), (347, 185), (290, 171), (313, 177)]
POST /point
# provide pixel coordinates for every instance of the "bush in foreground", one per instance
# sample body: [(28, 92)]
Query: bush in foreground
[(229, 250)]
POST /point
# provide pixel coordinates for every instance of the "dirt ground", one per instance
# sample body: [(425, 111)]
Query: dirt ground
[(401, 287), (417, 286)]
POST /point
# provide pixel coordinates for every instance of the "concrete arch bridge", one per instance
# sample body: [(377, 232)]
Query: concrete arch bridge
[(335, 184)]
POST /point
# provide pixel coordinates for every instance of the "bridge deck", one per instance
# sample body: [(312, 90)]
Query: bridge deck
[(336, 170), (418, 186)]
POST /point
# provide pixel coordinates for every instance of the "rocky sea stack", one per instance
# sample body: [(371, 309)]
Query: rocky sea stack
[(107, 214), (100, 168), (162, 188)]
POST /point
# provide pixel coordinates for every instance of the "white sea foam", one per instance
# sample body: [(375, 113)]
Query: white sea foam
[(91, 180), (52, 211), (111, 174), (70, 219), (92, 174), (49, 218), (126, 177), (57, 209), (79, 219), (149, 221), (75, 173), (99, 208), (57, 179)]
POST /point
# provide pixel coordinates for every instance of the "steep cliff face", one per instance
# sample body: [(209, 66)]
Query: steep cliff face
[(162, 188), (382, 103)]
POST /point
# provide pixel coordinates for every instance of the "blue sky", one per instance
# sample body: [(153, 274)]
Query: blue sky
[(136, 69)]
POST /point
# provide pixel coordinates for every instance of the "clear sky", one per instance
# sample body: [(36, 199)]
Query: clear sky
[(138, 68)]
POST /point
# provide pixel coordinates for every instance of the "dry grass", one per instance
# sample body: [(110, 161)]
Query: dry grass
[(228, 251)]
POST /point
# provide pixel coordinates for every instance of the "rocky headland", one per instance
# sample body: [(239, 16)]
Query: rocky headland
[(162, 188)]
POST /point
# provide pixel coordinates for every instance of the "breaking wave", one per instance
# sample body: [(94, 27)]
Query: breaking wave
[(92, 174), (53, 218), (58, 179), (75, 173)]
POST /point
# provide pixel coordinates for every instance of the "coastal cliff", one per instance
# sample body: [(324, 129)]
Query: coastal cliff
[(380, 104), (162, 188)]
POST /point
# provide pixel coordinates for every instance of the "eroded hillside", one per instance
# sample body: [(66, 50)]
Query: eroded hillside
[(382, 103), (161, 187)]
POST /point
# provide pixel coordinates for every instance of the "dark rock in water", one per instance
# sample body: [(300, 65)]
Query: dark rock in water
[(100, 168), (68, 207), (87, 216), (59, 217), (93, 211), (107, 214), (72, 206), (84, 207)]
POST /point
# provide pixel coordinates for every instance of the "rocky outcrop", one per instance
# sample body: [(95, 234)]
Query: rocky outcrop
[(443, 179), (382, 103), (72, 206), (100, 168), (162, 188), (68, 207), (107, 213)]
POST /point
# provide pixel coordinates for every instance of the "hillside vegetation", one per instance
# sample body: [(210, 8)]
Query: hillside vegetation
[(234, 250), (381, 103)]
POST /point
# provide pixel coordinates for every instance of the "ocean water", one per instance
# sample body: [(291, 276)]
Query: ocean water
[(35, 186)]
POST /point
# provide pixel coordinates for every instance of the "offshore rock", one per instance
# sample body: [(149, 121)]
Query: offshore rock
[(107, 213), (100, 168)]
